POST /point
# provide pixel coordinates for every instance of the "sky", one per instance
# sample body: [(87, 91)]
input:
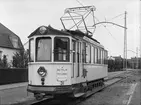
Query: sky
[(24, 16)]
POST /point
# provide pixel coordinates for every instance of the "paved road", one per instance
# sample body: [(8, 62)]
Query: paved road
[(125, 92), (13, 95), (135, 98)]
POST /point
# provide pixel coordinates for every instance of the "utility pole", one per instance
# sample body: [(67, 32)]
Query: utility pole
[(140, 29), (137, 57), (125, 44)]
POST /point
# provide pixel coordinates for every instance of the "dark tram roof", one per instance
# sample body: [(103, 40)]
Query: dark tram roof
[(52, 31), (49, 31), (80, 34)]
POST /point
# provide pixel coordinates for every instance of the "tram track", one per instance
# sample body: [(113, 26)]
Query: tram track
[(71, 101)]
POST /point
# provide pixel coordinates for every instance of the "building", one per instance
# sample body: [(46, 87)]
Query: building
[(135, 62), (118, 58), (10, 43)]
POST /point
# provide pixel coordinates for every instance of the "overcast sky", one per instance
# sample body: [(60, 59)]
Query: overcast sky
[(24, 16)]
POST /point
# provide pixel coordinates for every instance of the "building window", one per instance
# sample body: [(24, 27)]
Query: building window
[(0, 54), (61, 49), (14, 41)]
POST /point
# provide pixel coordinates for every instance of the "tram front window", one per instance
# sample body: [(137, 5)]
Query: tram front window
[(31, 50), (43, 49), (61, 49)]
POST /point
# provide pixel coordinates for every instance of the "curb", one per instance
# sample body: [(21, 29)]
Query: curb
[(15, 85)]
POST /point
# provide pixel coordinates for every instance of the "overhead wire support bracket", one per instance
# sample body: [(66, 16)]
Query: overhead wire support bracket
[(110, 23)]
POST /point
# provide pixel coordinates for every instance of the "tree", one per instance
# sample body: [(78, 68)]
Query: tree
[(20, 59), (111, 65), (3, 62)]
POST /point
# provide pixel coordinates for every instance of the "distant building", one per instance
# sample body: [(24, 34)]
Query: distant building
[(111, 58), (117, 58), (10, 43), (135, 62)]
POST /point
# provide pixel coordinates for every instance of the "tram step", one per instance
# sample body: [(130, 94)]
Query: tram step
[(89, 93), (78, 94)]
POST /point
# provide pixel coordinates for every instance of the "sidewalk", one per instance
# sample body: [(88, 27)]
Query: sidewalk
[(114, 74), (13, 93), (14, 85)]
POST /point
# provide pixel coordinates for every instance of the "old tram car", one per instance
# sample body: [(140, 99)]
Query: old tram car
[(65, 62)]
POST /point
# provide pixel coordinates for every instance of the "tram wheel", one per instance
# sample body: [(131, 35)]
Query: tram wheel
[(38, 96)]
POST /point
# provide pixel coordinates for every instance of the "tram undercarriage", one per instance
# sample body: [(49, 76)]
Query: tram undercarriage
[(74, 91)]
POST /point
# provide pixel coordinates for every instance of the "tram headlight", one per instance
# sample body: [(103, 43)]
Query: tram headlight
[(42, 29), (42, 71)]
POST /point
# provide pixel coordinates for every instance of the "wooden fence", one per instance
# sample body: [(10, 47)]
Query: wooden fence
[(14, 75)]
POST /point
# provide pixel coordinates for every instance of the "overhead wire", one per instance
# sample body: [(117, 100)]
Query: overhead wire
[(105, 19), (80, 3), (108, 31), (116, 16)]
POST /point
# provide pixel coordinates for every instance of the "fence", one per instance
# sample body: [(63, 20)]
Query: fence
[(14, 75)]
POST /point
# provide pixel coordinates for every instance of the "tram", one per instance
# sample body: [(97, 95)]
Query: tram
[(65, 62)]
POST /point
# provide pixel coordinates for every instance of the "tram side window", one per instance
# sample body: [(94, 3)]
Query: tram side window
[(80, 52), (31, 50), (106, 57), (61, 49), (101, 56), (74, 50), (84, 52), (43, 49), (78, 57), (92, 54), (96, 56), (88, 54)]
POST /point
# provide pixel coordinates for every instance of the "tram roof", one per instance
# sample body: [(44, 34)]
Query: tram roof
[(51, 31), (80, 34)]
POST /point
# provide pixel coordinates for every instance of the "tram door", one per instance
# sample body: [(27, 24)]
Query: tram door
[(73, 57), (78, 59), (77, 63)]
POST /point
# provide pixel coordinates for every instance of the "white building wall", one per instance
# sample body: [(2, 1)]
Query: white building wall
[(26, 45), (9, 53)]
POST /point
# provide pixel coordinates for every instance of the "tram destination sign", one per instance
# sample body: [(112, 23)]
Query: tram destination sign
[(62, 74)]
